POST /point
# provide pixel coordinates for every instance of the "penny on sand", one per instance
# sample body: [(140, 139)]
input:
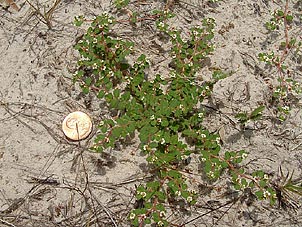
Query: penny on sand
[(77, 125)]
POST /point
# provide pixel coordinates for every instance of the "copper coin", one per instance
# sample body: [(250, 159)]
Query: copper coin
[(77, 125)]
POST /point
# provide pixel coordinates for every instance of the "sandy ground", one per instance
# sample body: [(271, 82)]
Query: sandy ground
[(46, 180)]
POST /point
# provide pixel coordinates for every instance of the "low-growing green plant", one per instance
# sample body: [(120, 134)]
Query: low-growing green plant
[(164, 112), (286, 188), (245, 117), (288, 87), (119, 4)]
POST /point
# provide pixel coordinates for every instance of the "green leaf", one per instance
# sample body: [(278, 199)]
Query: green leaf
[(116, 132), (174, 174), (227, 155), (131, 127), (257, 112), (135, 222), (164, 123), (242, 117), (219, 75), (148, 205), (109, 97), (259, 194), (258, 173), (153, 184), (280, 13), (101, 94), (85, 90), (238, 160), (172, 186), (153, 144), (156, 217), (208, 166), (78, 21), (243, 183), (116, 93), (251, 184), (262, 183), (289, 18), (125, 96), (161, 196), (237, 186), (147, 221), (88, 81), (160, 207)]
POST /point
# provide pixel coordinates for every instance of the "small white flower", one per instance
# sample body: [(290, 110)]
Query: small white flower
[(95, 40), (162, 141), (178, 193), (148, 62), (181, 106), (143, 194), (217, 140), (101, 123), (196, 33), (173, 75), (189, 199), (152, 117), (161, 25), (162, 214), (265, 177), (159, 120), (193, 191), (285, 108), (95, 66), (244, 156), (203, 159), (212, 19), (160, 223), (154, 159), (211, 174), (266, 59), (111, 73), (132, 216), (110, 21), (173, 36), (203, 135), (145, 147), (200, 115), (266, 194)]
